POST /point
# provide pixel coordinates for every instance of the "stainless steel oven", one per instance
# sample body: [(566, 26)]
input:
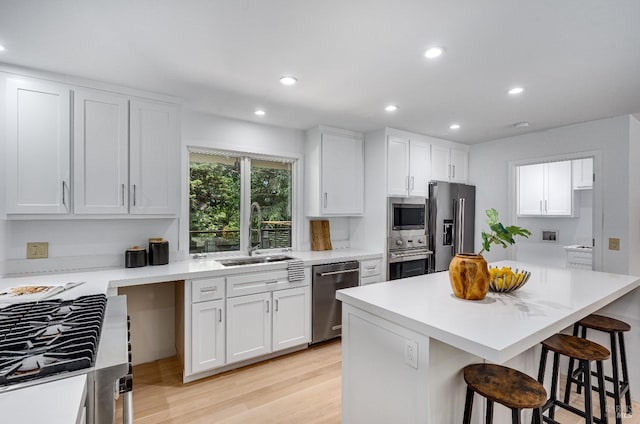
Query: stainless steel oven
[(407, 251)]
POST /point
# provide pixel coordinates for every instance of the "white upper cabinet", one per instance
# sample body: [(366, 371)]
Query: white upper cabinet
[(544, 189), (38, 147), (154, 172), (334, 173), (449, 164), (582, 173), (408, 167), (101, 153)]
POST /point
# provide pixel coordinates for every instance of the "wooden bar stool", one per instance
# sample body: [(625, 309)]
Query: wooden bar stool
[(620, 386), (506, 386), (583, 351)]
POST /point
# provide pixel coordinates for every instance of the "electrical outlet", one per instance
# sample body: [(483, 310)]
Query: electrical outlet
[(614, 244), (37, 250), (411, 353)]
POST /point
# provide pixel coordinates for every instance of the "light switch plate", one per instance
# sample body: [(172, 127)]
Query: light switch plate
[(37, 250), (614, 244), (411, 353)]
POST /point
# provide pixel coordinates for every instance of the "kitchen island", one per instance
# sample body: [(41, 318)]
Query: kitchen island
[(405, 342)]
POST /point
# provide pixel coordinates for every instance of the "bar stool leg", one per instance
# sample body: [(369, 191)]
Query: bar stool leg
[(567, 388), (537, 416), (554, 384), (586, 376), (617, 402), (584, 336), (468, 407), (625, 373), (602, 393), (489, 419), (515, 416)]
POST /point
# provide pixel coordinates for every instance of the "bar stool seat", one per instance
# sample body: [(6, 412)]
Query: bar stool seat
[(584, 351), (620, 386), (503, 385)]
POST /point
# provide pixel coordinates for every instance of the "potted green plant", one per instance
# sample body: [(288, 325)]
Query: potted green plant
[(468, 272)]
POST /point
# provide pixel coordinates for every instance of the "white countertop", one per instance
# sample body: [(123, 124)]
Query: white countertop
[(57, 402), (502, 325), (99, 281)]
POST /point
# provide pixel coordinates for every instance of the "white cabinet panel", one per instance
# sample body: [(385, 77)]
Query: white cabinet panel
[(559, 191), (582, 173), (439, 163), (334, 173), (248, 326), (530, 189), (408, 167), (38, 147), (449, 164), (459, 165), (208, 331), (291, 318), (101, 153), (544, 189), (154, 158), (398, 166)]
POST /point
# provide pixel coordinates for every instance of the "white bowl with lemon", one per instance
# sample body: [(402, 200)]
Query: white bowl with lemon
[(505, 280)]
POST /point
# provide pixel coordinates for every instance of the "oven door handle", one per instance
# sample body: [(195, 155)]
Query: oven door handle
[(324, 274), (401, 257)]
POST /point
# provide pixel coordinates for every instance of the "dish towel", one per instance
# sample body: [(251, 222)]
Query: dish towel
[(296, 270)]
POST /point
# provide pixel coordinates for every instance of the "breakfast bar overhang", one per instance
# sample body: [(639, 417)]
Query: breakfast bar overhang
[(405, 342)]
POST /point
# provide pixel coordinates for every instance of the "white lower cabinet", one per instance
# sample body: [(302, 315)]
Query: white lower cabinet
[(262, 323), (207, 329)]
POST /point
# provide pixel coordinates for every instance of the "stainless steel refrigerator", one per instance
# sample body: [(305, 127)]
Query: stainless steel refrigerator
[(451, 222)]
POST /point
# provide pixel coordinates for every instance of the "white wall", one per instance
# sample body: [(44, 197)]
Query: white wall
[(634, 196), (489, 171)]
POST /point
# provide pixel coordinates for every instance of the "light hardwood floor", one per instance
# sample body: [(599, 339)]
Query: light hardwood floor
[(303, 387)]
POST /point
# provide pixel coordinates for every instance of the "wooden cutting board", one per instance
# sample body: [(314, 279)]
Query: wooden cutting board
[(320, 235)]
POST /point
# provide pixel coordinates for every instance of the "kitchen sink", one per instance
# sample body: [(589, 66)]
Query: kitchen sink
[(250, 260)]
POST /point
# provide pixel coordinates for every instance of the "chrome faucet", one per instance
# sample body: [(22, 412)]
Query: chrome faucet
[(255, 206)]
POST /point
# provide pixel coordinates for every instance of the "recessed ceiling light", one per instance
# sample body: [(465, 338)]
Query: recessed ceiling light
[(521, 124), (260, 112), (454, 126), (288, 80), (433, 52), (391, 108), (515, 90), (2, 48)]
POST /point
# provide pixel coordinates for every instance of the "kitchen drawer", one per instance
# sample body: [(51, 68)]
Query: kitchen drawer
[(207, 289), (258, 282), (369, 268), (369, 280)]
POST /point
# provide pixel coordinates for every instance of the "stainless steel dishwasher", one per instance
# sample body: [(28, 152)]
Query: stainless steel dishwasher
[(326, 311)]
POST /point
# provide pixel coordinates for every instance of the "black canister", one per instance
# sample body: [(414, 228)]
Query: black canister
[(158, 251), (135, 257)]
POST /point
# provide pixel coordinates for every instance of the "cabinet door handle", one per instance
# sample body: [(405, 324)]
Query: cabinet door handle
[(541, 210), (275, 306), (134, 195), (370, 267), (219, 315), (413, 183), (325, 200), (545, 206), (123, 194), (453, 167), (208, 289), (267, 306), (64, 203), (449, 171), (406, 183)]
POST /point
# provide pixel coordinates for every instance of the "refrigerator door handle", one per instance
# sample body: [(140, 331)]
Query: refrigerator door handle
[(460, 229)]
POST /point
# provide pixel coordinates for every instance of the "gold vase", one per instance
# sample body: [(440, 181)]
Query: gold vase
[(469, 276)]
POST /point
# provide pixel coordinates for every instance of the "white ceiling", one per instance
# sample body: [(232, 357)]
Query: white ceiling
[(578, 60)]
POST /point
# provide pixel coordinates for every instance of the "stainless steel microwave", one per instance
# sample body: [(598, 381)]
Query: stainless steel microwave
[(407, 214)]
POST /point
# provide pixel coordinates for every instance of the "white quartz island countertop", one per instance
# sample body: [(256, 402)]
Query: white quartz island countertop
[(502, 325), (405, 342)]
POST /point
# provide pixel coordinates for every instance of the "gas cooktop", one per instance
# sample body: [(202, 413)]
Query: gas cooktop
[(41, 339)]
